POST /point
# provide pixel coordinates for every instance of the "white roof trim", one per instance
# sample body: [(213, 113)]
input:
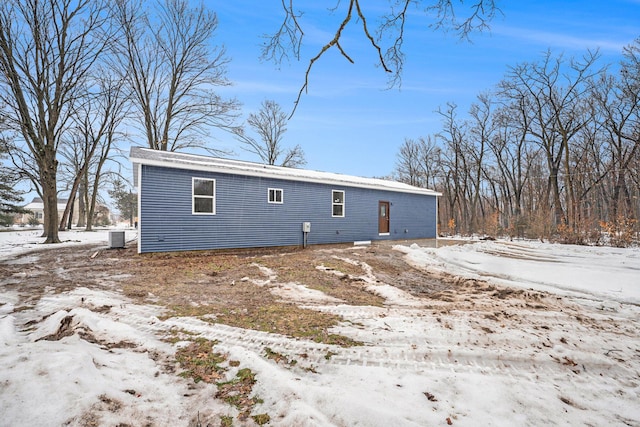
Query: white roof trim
[(146, 156)]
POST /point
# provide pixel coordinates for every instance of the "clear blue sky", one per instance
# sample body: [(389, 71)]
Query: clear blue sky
[(349, 122)]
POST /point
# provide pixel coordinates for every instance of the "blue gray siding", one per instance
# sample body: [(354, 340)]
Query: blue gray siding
[(244, 218)]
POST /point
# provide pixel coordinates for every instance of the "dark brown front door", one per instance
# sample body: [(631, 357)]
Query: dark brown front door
[(383, 217)]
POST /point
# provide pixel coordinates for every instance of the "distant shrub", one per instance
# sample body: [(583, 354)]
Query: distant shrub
[(6, 220), (33, 221), (451, 225), (621, 233)]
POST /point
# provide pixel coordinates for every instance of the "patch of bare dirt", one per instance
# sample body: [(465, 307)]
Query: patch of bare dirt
[(221, 286), (218, 287)]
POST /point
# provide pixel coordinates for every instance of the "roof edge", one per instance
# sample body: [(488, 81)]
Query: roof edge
[(145, 156)]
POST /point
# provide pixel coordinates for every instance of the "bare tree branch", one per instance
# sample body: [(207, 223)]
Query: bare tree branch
[(173, 71), (464, 18), (47, 50), (270, 123), (287, 39)]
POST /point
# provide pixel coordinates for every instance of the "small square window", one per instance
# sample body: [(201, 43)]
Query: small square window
[(204, 196), (276, 195), (337, 203)]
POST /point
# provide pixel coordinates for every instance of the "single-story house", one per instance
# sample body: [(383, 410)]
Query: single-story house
[(36, 210), (193, 202)]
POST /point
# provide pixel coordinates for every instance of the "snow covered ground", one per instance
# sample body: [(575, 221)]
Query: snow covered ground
[(571, 358), (599, 273), (14, 243)]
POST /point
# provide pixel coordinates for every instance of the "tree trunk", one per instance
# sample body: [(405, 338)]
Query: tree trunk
[(130, 209), (69, 207), (82, 207), (91, 211), (50, 201), (73, 203)]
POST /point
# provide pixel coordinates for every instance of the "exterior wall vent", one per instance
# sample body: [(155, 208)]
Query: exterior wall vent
[(116, 239)]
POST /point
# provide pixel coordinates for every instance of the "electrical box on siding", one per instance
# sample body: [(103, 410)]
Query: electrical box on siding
[(306, 227)]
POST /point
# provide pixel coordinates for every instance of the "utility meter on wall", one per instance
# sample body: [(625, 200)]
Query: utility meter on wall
[(306, 227)]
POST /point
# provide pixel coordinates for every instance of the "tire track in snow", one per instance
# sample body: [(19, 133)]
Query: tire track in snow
[(435, 352), (401, 358), (439, 352)]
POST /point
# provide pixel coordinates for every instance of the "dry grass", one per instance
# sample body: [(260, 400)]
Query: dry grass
[(301, 268), (224, 287), (201, 362), (219, 288)]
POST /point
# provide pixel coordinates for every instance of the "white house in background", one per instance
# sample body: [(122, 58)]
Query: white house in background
[(36, 208)]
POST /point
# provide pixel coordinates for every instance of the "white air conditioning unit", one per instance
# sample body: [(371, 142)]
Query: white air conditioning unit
[(116, 239)]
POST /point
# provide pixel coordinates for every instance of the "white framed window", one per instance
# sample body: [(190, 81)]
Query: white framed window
[(275, 195), (337, 203), (204, 196)]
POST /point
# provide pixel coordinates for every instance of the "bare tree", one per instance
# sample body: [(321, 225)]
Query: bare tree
[(386, 37), (554, 152), (409, 163), (95, 126), (270, 124), (481, 132), (558, 110), (47, 49), (456, 163), (111, 109), (431, 163), (513, 156), (619, 102), (631, 71), (418, 162), (172, 68)]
